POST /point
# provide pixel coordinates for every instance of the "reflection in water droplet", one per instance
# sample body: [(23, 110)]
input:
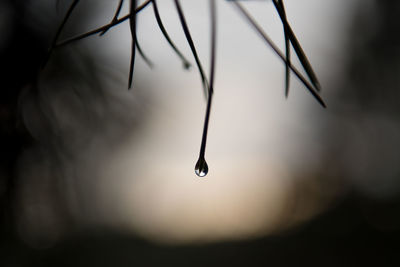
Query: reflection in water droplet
[(201, 167)]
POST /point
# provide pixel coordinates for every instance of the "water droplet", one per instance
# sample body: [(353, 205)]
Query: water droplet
[(201, 167)]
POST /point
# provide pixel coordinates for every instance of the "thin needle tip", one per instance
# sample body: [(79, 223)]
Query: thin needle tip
[(317, 86), (323, 104), (187, 65)]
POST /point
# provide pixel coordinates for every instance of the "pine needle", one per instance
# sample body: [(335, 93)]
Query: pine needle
[(192, 46), (255, 25), (186, 63)]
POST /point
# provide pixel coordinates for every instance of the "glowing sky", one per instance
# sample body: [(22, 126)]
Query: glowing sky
[(256, 137)]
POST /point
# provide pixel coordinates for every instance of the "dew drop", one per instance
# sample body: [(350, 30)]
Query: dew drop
[(201, 167)]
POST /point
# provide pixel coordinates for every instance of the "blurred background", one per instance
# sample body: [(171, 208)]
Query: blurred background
[(94, 174)]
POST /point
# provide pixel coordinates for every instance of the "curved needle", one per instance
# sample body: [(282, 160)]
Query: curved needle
[(250, 19), (186, 63), (192, 46)]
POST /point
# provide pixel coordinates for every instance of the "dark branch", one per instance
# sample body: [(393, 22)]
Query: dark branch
[(116, 15)]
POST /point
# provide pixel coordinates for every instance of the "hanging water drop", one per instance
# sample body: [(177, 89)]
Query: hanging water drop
[(201, 167)]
